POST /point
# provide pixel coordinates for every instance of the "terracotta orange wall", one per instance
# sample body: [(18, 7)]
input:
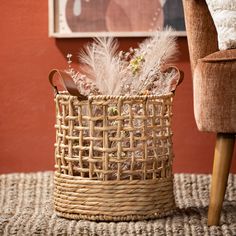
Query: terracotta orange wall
[(27, 54)]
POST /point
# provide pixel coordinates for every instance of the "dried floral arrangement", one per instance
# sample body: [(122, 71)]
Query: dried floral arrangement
[(136, 72)]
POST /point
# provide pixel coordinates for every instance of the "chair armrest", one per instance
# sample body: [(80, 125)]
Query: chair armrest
[(201, 31)]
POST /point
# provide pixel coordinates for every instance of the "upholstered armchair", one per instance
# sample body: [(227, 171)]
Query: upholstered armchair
[(214, 84)]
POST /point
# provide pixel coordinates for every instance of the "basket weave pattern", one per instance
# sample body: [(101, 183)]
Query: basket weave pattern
[(113, 157)]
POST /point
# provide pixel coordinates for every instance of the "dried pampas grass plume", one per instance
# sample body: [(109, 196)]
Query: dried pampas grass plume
[(156, 51), (104, 65)]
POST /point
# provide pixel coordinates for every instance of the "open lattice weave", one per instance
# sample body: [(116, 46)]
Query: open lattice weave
[(113, 157)]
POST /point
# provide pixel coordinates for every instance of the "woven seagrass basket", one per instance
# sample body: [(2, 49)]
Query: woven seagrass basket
[(113, 156)]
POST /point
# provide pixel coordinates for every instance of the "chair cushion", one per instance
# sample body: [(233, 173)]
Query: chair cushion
[(226, 55), (214, 84)]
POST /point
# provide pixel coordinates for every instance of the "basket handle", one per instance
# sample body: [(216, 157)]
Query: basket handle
[(66, 81), (177, 79)]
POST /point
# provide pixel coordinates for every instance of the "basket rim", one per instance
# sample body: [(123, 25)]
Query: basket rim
[(119, 97)]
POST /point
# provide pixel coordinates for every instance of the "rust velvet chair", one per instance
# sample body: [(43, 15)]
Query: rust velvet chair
[(214, 86)]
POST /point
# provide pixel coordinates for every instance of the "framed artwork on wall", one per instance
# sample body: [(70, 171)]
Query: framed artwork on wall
[(126, 18)]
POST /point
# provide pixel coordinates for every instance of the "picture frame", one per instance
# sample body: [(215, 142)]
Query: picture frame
[(101, 18)]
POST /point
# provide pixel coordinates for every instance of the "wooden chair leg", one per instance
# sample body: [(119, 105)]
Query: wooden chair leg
[(222, 161)]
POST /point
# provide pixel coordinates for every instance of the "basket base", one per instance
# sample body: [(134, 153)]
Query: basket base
[(126, 200), (114, 218)]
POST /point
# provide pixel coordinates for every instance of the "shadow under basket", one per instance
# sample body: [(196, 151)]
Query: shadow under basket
[(113, 157)]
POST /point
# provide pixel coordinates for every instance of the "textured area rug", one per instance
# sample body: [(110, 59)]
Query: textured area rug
[(26, 209)]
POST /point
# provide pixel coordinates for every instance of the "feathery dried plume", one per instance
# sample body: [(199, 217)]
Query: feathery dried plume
[(161, 46), (151, 55), (104, 65)]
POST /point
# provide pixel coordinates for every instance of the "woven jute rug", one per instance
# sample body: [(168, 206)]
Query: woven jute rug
[(26, 209)]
